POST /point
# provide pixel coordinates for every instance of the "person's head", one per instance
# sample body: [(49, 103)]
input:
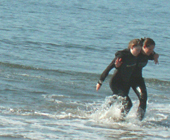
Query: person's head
[(148, 45), (135, 46)]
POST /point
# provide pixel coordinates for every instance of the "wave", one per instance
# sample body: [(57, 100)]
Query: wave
[(26, 67), (7, 64), (89, 75), (157, 81), (53, 45), (76, 46)]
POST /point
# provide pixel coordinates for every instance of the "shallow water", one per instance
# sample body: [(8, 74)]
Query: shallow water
[(52, 55)]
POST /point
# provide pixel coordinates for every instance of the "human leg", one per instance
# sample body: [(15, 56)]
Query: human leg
[(127, 104), (121, 89), (139, 88)]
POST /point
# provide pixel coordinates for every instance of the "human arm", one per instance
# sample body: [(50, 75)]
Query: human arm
[(117, 61), (154, 56), (105, 74)]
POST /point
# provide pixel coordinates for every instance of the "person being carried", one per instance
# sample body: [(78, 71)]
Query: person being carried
[(119, 82), (137, 81)]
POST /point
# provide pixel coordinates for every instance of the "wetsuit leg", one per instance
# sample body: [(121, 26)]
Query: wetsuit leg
[(127, 104), (139, 88), (121, 88)]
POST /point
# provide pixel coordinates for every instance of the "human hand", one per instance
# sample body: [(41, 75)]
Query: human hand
[(156, 56), (118, 62), (98, 86)]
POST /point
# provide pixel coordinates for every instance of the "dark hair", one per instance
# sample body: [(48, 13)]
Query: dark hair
[(147, 42), (135, 43)]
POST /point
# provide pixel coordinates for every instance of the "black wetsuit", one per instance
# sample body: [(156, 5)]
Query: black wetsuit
[(138, 84), (119, 82), (129, 74)]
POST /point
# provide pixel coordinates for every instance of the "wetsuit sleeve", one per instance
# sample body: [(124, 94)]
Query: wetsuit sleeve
[(119, 54), (151, 56), (106, 71)]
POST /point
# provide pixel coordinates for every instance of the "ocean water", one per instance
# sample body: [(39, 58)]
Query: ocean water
[(51, 56)]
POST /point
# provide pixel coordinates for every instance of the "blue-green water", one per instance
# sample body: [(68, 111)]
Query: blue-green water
[(51, 56)]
